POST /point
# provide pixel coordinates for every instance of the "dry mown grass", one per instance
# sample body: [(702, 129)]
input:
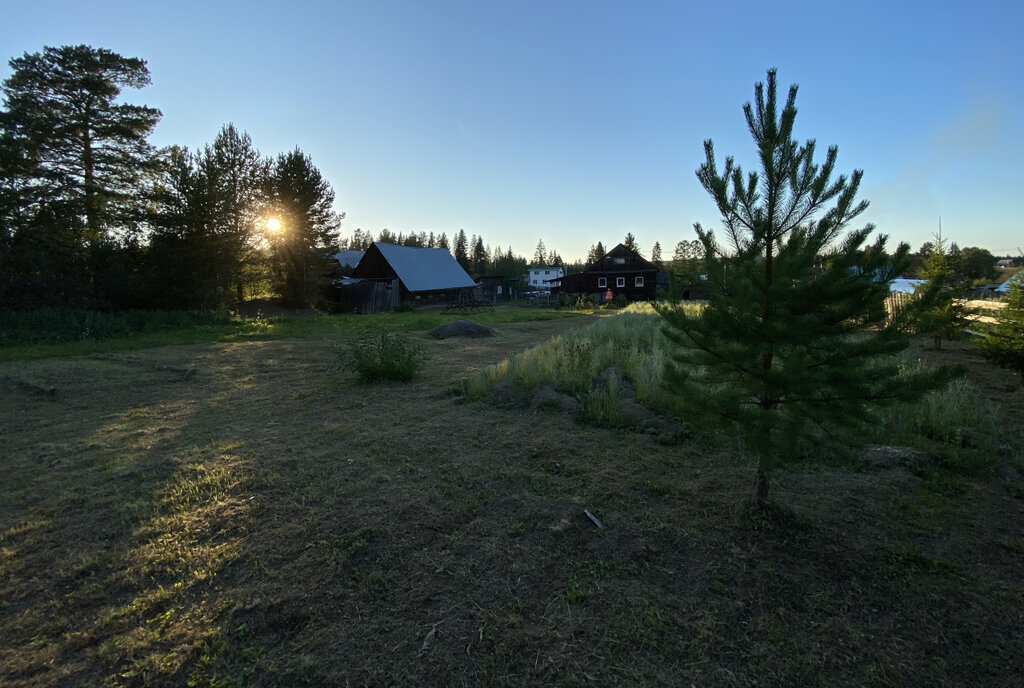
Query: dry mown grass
[(264, 522)]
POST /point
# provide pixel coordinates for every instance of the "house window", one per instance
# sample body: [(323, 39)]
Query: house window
[(638, 281), (602, 282), (547, 272), (620, 281)]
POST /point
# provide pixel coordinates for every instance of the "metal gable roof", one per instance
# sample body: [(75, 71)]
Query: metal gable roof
[(1017, 277), (349, 258), (425, 269)]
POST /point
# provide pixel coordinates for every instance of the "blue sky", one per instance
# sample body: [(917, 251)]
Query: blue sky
[(576, 122)]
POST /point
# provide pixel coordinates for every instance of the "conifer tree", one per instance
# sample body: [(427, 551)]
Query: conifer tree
[(656, 252), (303, 203), (773, 356), (360, 240), (479, 256), (540, 254), (938, 312), (462, 250), (74, 167), (1003, 341), (88, 150)]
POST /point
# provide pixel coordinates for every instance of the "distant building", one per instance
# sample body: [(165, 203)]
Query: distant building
[(1004, 288), (540, 278), (620, 271)]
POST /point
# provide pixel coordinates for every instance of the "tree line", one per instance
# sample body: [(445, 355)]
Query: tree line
[(94, 216)]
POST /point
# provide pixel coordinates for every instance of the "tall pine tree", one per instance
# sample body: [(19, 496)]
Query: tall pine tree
[(303, 203), (462, 250), (794, 335), (540, 254), (75, 165), (479, 257)]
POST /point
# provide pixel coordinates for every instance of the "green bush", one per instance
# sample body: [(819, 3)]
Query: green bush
[(620, 301), (564, 302), (383, 355), (585, 303), (404, 307)]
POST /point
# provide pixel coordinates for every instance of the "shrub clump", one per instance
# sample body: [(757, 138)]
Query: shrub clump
[(383, 355), (404, 307)]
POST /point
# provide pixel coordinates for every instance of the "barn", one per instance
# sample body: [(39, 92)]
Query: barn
[(388, 274)]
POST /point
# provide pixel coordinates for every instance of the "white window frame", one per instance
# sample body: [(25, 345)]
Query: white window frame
[(602, 282), (620, 282), (638, 281)]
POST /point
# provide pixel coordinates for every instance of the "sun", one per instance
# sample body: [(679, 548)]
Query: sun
[(273, 224)]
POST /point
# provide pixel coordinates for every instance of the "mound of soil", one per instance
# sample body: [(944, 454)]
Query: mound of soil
[(461, 328)]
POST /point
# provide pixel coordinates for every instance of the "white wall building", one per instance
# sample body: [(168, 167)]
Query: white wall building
[(536, 278)]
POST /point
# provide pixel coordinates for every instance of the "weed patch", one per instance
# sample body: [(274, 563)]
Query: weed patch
[(382, 355)]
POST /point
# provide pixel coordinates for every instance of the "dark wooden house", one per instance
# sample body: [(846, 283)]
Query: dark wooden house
[(620, 271), (388, 274)]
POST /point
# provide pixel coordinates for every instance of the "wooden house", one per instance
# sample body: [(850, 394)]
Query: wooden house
[(388, 274), (620, 271)]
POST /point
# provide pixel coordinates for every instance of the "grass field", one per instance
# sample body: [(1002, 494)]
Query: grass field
[(57, 332), (266, 521)]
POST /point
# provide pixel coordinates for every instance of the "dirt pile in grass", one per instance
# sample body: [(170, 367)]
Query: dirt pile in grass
[(461, 328)]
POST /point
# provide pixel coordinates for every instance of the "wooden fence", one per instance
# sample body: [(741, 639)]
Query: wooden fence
[(896, 302)]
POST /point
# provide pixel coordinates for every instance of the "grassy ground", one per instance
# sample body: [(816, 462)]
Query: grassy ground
[(265, 522), (25, 337)]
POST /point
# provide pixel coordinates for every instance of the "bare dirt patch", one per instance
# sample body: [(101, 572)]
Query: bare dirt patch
[(264, 521)]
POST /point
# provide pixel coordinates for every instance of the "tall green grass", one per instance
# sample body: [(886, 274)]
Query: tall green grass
[(957, 421), (630, 341)]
